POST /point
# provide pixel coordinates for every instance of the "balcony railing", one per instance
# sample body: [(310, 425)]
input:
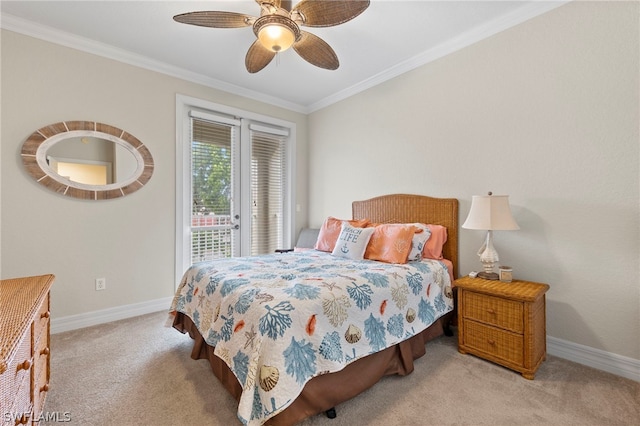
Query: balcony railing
[(210, 237)]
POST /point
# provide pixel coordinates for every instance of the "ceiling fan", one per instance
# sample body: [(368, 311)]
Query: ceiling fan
[(278, 28)]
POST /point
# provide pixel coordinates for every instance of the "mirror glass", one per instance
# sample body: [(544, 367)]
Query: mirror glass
[(87, 160), (91, 160)]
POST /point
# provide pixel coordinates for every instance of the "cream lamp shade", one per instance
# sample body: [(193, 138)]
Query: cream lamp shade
[(490, 213)]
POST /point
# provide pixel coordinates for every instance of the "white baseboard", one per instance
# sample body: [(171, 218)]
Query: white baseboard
[(73, 322), (596, 358)]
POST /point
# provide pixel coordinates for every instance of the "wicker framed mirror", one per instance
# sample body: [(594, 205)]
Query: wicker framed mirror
[(122, 162)]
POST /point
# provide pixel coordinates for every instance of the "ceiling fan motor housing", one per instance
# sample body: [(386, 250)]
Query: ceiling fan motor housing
[(276, 32)]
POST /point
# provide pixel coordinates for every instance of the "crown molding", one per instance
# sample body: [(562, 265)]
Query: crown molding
[(460, 42), (22, 26), (42, 32)]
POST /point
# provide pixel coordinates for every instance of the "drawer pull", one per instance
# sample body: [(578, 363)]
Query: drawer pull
[(45, 315), (24, 365), (491, 342), (45, 351), (44, 388), (491, 311)]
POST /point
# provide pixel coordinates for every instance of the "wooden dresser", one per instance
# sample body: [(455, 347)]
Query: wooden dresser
[(503, 322), (24, 348)]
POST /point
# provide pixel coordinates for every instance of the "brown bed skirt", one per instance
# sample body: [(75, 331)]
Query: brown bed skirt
[(323, 392)]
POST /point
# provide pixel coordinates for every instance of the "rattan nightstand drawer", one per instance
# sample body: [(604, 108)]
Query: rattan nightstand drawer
[(494, 342), (503, 322), (502, 313)]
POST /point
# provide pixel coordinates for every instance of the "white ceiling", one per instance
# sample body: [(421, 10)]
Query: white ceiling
[(389, 38)]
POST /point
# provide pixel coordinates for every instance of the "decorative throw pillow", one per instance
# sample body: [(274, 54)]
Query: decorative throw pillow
[(433, 247), (419, 240), (331, 229), (390, 243), (352, 242)]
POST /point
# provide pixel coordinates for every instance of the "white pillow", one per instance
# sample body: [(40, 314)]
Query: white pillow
[(418, 241), (352, 242)]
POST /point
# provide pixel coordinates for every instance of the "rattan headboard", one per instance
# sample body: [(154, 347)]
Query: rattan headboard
[(405, 208)]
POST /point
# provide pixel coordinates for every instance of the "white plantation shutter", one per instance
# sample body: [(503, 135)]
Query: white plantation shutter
[(268, 184)]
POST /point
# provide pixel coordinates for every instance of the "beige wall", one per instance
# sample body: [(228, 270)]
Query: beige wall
[(546, 112), (130, 241)]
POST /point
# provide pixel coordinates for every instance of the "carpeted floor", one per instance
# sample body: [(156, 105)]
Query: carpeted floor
[(137, 371)]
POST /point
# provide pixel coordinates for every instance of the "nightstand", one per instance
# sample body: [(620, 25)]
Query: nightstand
[(503, 322)]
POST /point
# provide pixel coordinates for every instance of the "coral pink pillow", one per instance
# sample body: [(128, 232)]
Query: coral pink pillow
[(390, 243), (330, 231), (433, 248)]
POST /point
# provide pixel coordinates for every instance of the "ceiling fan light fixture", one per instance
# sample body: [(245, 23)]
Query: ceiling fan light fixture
[(278, 28), (276, 37), (276, 33)]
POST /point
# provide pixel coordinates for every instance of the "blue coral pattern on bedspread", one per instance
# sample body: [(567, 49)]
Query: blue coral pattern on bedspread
[(280, 320)]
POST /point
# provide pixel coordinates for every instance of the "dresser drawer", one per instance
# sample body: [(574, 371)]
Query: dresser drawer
[(41, 320), (494, 342), (507, 314), (24, 348), (21, 411), (41, 387), (18, 372), (41, 357)]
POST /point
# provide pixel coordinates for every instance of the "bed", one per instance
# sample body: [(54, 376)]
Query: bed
[(300, 341)]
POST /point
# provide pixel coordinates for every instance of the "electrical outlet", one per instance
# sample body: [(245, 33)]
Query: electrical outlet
[(101, 283)]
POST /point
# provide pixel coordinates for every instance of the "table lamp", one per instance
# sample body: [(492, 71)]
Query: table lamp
[(489, 213)]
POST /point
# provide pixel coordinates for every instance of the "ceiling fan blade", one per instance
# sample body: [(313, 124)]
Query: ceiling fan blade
[(317, 13), (258, 57), (215, 19), (316, 51)]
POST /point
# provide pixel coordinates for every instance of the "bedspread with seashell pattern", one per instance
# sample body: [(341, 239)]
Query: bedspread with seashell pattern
[(279, 320)]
